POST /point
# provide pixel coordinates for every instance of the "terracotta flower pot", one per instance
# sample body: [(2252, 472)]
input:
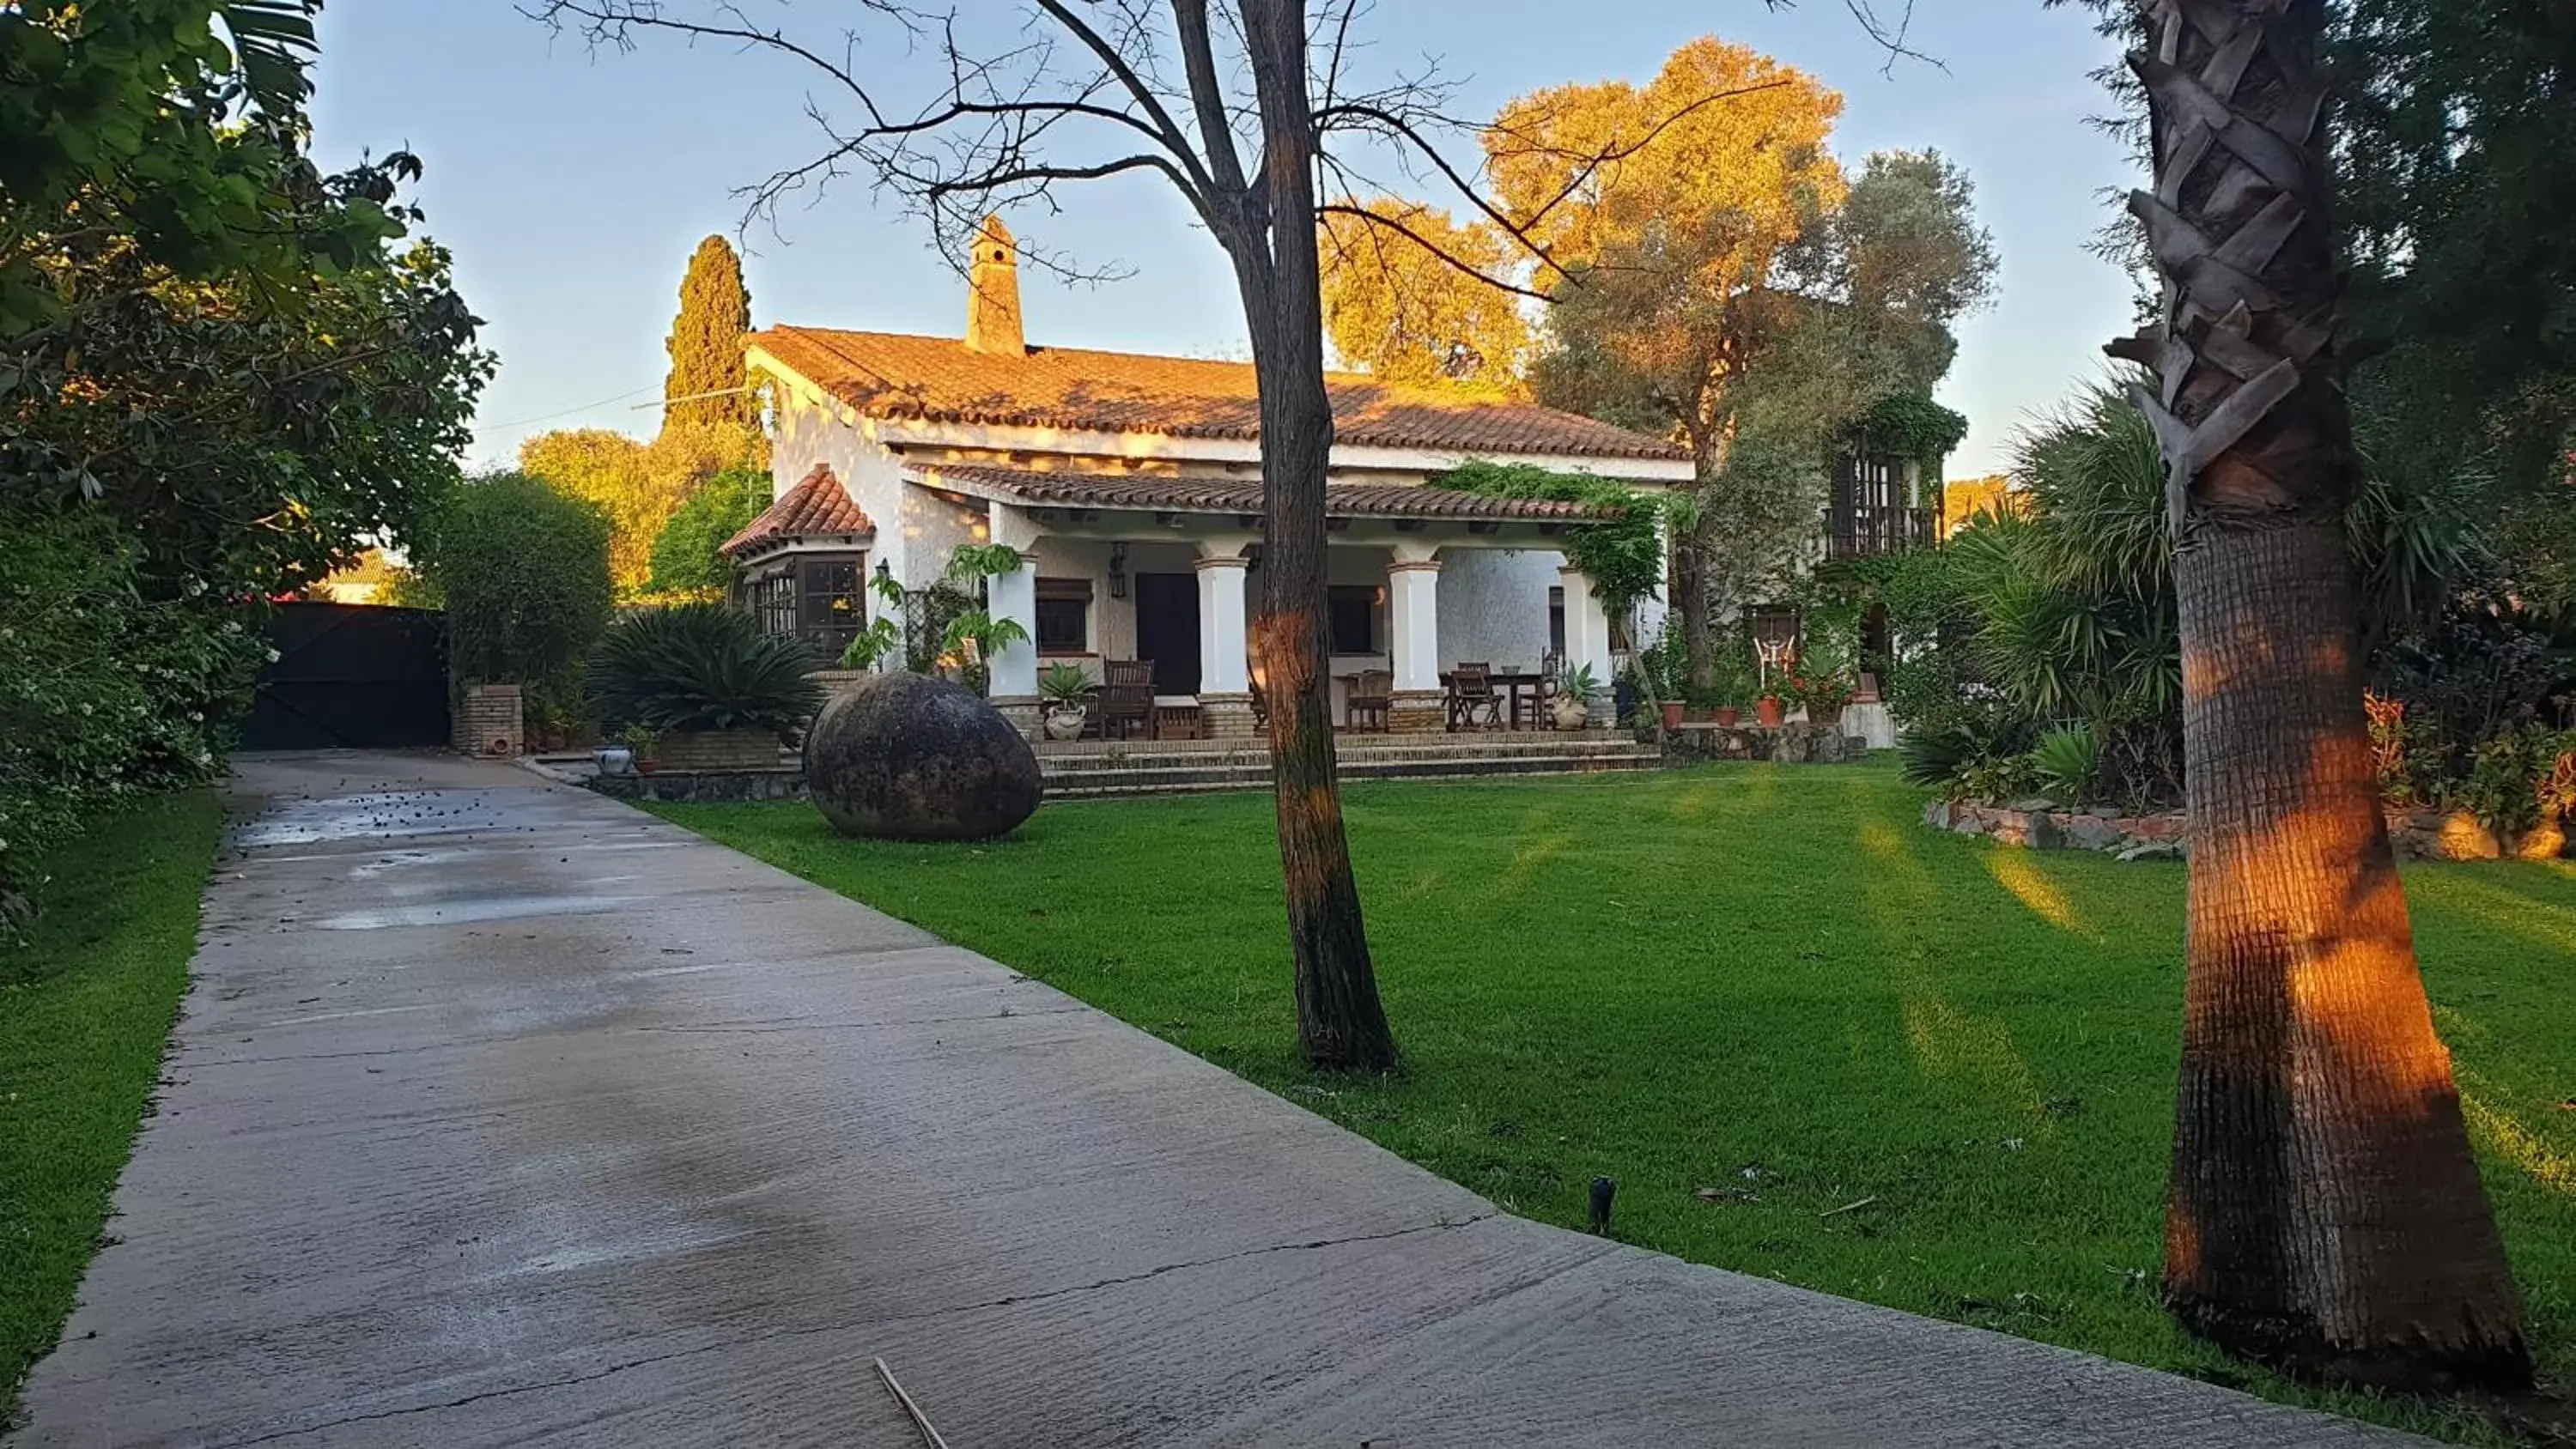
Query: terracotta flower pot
[(1672, 714), (1769, 711), (1728, 714)]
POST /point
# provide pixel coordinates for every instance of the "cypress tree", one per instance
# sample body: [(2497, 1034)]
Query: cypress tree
[(706, 343)]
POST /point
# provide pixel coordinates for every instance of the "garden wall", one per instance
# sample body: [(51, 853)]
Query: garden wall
[(1798, 743), (2458, 835), (2034, 824), (2415, 834)]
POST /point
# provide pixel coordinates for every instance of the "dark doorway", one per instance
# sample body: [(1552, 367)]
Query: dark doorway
[(349, 676), (1167, 630)]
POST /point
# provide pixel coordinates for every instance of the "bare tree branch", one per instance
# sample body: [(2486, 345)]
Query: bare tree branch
[(1447, 257)]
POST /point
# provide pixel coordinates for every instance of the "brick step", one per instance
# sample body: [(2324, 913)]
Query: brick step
[(1150, 756), (1255, 775)]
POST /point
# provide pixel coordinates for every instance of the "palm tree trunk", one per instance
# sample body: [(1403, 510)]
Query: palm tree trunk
[(1340, 1024), (2325, 1211)]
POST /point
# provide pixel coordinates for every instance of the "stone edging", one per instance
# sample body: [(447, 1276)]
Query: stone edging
[(2414, 834), (2032, 823)]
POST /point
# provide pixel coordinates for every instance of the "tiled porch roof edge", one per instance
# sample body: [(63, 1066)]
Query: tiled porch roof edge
[(817, 507), (1146, 492)]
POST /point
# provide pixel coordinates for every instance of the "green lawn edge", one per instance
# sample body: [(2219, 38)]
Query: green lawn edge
[(86, 1005), (1157, 912)]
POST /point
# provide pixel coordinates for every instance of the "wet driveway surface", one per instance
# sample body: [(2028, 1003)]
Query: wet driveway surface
[(501, 1113)]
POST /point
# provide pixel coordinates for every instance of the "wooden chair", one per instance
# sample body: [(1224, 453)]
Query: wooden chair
[(1126, 697), (1549, 664), (1371, 697), (1473, 702)]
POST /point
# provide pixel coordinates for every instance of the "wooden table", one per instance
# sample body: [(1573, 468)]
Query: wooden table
[(1508, 684)]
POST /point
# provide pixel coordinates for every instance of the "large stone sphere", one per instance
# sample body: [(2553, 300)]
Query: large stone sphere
[(903, 757)]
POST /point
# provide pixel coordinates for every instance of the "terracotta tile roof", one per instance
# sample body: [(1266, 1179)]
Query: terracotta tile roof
[(818, 507), (1243, 495), (940, 379)]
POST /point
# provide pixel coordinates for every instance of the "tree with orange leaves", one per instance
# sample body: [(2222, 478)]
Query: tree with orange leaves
[(1423, 312), (1724, 280)]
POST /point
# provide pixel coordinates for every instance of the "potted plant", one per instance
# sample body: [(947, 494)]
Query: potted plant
[(1733, 679), (630, 752), (1575, 687), (1772, 661), (1066, 691), (716, 692), (1823, 693), (1655, 683)]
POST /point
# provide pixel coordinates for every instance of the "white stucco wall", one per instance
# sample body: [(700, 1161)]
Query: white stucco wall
[(1493, 605), (805, 435), (932, 527)]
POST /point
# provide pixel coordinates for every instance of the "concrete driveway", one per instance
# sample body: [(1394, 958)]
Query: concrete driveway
[(502, 1113)]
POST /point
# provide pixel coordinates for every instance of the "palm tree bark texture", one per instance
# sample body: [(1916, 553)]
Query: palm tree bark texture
[(2325, 1213)]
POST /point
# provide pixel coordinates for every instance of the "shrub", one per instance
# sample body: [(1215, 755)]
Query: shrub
[(106, 692), (522, 571), (1933, 755), (638, 485), (685, 560), (703, 667)]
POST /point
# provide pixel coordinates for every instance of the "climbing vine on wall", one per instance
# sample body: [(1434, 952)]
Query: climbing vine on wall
[(1623, 556), (1918, 676), (1911, 425)]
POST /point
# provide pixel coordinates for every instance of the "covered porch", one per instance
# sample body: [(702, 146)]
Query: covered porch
[(1158, 576)]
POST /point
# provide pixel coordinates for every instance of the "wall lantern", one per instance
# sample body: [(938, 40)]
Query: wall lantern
[(1118, 570)]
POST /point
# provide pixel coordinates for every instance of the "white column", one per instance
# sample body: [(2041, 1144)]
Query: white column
[(1413, 616), (1587, 631), (1014, 596), (1224, 661)]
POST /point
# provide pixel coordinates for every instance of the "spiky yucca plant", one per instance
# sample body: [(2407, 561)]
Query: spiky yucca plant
[(703, 667)]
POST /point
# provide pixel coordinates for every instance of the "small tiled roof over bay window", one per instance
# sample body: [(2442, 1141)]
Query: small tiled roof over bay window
[(816, 511)]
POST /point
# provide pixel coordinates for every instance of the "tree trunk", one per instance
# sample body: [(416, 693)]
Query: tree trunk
[(1690, 600), (1340, 1024), (2325, 1211)]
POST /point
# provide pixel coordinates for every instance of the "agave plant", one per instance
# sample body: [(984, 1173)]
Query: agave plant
[(703, 667), (2069, 761)]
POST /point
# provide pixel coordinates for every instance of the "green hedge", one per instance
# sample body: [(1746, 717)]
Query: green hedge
[(106, 693)]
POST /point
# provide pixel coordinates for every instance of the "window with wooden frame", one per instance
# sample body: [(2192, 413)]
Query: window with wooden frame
[(773, 600), (830, 606), (1064, 616)]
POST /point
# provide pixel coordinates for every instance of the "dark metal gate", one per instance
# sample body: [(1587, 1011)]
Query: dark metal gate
[(350, 676)]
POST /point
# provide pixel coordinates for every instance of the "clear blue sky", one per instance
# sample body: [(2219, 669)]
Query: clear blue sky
[(572, 186)]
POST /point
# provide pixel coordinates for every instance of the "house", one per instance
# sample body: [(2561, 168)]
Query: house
[(1131, 485)]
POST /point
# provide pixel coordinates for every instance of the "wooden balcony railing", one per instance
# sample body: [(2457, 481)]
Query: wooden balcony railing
[(1854, 531)]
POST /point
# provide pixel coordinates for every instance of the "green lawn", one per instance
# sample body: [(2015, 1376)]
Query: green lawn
[(85, 1005), (1810, 1037)]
